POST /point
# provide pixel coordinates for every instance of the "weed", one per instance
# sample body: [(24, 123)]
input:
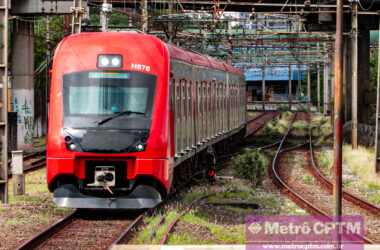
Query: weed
[(307, 179), (251, 165)]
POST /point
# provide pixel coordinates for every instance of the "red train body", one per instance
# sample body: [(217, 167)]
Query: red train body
[(125, 110)]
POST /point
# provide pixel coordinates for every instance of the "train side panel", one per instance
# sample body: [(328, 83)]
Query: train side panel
[(208, 105)]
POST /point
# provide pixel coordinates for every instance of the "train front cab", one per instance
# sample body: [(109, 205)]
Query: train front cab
[(108, 126)]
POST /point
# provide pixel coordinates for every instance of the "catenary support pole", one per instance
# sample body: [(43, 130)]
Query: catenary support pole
[(308, 88), (144, 16), (377, 136), (76, 19), (4, 10), (326, 88), (263, 86), (47, 73), (104, 14), (318, 87), (338, 109), (354, 75), (290, 86), (298, 81)]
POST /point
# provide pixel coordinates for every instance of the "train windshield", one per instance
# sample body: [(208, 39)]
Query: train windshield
[(118, 100)]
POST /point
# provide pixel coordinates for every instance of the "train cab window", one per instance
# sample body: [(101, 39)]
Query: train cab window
[(90, 97)]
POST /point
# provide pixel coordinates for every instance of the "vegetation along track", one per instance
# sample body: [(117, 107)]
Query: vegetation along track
[(84, 229), (317, 201)]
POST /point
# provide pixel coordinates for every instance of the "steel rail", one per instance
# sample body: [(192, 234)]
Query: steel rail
[(315, 171), (43, 236), (289, 191), (271, 114), (40, 238), (138, 221), (176, 220)]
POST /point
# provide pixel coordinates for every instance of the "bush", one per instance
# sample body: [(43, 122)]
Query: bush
[(251, 165), (283, 108)]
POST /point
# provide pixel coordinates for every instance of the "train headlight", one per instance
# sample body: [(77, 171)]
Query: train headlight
[(110, 61), (72, 146), (116, 62), (140, 147), (104, 61)]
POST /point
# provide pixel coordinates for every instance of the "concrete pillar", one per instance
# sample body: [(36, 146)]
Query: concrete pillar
[(22, 81)]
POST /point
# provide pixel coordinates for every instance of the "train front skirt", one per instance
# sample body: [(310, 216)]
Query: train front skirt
[(141, 197)]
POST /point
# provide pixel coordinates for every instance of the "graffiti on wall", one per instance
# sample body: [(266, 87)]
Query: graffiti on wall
[(22, 103)]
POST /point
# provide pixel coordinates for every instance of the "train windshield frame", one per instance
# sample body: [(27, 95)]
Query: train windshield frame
[(92, 96)]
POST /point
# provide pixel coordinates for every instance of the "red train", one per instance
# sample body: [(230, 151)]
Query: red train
[(125, 110)]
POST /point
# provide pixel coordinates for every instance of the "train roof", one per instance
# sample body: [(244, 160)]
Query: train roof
[(199, 59), (175, 52)]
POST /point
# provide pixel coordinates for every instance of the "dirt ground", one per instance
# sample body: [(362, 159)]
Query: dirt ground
[(28, 214)]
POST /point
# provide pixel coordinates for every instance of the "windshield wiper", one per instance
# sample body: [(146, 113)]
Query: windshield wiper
[(125, 112)]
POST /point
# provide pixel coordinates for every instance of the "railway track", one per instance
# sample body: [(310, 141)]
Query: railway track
[(362, 207), (86, 230), (77, 227), (171, 226), (314, 169), (256, 123)]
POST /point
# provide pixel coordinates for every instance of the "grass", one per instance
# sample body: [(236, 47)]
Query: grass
[(185, 238), (277, 126), (227, 234), (200, 226), (361, 163), (324, 159), (300, 128), (35, 207), (358, 163), (307, 179), (217, 231), (144, 236)]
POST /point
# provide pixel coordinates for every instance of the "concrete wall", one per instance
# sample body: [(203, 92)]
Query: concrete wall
[(22, 65)]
